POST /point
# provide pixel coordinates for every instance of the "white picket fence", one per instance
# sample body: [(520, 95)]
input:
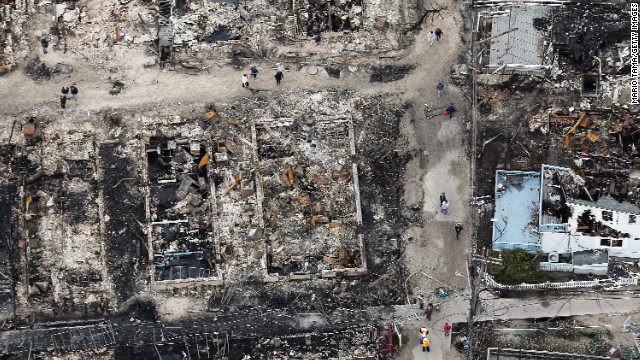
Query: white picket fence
[(564, 267), (562, 285)]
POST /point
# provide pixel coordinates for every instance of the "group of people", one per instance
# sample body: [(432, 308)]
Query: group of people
[(424, 339), (444, 204), (444, 208), (431, 36), (450, 108), (67, 93), (254, 74)]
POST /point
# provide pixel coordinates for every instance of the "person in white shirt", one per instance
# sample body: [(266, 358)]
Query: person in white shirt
[(431, 37)]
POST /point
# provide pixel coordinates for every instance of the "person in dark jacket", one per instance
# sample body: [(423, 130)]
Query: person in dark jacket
[(450, 109), (254, 72), (65, 91), (429, 311), (74, 92), (63, 101), (278, 77), (45, 45), (458, 229), (438, 34)]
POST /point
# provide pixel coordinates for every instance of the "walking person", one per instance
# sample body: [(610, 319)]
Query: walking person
[(278, 77), (74, 92), (445, 207), (447, 329), (431, 36), (63, 101), (438, 34), (245, 81), (423, 333), (45, 44), (449, 110), (458, 228), (425, 344), (429, 311), (254, 72), (281, 67), (65, 91), (443, 198), (440, 87)]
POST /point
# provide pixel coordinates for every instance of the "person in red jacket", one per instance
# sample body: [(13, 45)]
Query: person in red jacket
[(447, 329)]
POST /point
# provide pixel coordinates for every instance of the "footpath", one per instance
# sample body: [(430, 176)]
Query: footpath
[(457, 308)]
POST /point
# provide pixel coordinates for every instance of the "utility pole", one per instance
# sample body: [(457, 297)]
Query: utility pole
[(473, 272)]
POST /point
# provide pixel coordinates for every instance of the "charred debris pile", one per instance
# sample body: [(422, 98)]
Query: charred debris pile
[(575, 113), (189, 33), (260, 204)]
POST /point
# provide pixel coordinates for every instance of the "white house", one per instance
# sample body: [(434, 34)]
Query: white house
[(546, 212), (603, 224)]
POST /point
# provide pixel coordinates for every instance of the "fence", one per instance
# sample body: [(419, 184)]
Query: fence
[(507, 245), (565, 267), (562, 285)]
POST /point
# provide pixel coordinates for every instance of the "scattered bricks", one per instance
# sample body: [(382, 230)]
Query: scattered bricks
[(194, 148), (246, 188), (381, 21), (212, 116), (287, 176), (29, 131), (344, 257), (228, 146), (222, 159), (329, 274), (300, 277), (204, 161), (254, 234), (221, 146), (319, 219), (183, 189)]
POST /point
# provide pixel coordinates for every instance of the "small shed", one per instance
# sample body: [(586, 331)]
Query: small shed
[(595, 261)]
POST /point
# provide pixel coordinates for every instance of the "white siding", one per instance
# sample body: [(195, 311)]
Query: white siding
[(564, 243)]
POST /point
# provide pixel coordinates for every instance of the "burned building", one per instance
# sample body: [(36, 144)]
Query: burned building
[(232, 198)]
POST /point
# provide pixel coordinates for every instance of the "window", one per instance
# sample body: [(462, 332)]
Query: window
[(611, 243), (607, 215), (632, 219)]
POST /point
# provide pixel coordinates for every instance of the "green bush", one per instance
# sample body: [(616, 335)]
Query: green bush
[(518, 266)]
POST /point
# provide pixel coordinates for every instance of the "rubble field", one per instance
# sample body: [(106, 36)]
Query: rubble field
[(278, 200), (164, 214)]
